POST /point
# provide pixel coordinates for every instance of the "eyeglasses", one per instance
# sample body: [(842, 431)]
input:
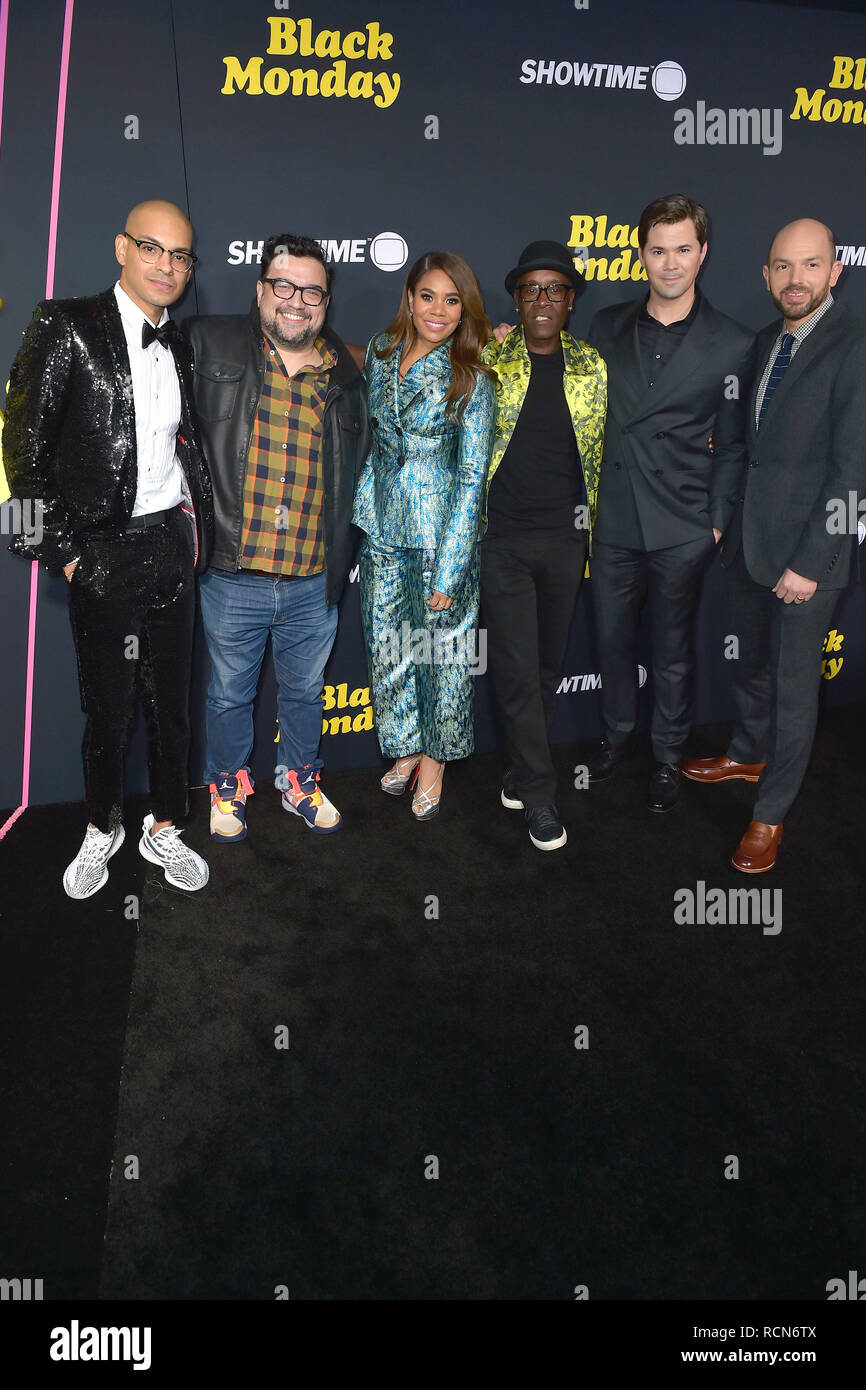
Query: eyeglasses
[(284, 289), (554, 292), (151, 252)]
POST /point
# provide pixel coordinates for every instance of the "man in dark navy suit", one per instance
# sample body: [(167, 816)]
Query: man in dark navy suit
[(679, 374), (790, 546)]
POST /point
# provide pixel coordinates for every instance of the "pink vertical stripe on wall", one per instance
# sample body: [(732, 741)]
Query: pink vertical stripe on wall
[(49, 290)]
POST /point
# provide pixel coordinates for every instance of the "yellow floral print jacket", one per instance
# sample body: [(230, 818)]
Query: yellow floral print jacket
[(585, 384)]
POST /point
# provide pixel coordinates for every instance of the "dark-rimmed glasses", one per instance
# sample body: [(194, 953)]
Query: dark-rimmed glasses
[(151, 252), (554, 292), (285, 289)]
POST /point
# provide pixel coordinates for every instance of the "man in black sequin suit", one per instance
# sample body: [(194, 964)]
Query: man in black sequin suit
[(100, 435)]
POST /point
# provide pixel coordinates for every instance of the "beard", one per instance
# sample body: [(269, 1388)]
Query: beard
[(805, 308), (299, 335)]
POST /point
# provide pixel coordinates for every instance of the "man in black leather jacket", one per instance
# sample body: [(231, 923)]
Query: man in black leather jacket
[(283, 419), (100, 433)]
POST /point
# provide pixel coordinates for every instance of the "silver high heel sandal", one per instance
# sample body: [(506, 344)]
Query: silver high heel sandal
[(429, 806), (396, 779)]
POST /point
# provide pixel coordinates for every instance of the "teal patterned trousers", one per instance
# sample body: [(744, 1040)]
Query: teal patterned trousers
[(422, 664)]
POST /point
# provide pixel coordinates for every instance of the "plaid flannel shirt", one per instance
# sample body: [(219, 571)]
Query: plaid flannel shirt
[(283, 489)]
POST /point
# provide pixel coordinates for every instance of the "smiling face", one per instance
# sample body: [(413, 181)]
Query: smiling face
[(543, 320), (153, 287), (802, 270), (290, 323), (436, 308), (672, 258)]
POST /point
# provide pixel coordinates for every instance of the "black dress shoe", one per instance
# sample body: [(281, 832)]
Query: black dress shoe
[(546, 830), (664, 787), (601, 763)]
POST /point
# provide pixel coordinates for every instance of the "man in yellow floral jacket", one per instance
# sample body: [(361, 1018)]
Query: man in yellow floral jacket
[(551, 396)]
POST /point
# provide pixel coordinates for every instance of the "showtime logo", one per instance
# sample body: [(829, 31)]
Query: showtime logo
[(387, 251), (667, 79), (851, 255), (591, 681)]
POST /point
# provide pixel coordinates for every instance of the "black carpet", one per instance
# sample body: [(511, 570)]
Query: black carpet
[(431, 979), (65, 979)]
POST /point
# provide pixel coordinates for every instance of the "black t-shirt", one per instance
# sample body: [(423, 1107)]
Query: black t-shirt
[(539, 482)]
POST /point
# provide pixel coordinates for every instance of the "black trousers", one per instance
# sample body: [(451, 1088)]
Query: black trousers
[(622, 580), (777, 685), (132, 608), (529, 586)]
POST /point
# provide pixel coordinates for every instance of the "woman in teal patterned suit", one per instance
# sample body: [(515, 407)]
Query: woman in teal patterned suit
[(419, 497)]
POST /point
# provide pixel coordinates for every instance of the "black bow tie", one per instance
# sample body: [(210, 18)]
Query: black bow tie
[(163, 335)]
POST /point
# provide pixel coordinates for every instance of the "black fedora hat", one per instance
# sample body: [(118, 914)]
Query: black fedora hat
[(545, 255)]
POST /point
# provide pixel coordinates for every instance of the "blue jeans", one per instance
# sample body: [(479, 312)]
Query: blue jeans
[(238, 611)]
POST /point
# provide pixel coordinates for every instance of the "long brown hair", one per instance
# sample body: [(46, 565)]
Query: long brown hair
[(469, 337)]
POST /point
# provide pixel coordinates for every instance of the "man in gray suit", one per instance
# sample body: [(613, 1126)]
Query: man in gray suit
[(787, 553), (679, 374)]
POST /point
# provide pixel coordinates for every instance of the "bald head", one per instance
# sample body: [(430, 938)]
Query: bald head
[(141, 215), (805, 227), (154, 251), (801, 269)]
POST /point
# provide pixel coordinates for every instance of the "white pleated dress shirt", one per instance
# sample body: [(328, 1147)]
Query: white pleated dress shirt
[(156, 392)]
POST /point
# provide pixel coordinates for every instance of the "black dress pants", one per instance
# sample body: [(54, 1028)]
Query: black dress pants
[(777, 685), (622, 580), (529, 585), (132, 608)]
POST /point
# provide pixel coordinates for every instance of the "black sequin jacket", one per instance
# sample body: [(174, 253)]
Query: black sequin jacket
[(69, 435)]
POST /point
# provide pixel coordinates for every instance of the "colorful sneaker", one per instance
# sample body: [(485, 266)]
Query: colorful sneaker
[(183, 867), (228, 805), (304, 797), (88, 873)]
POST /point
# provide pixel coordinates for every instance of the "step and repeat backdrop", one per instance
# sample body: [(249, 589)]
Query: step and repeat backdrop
[(385, 130)]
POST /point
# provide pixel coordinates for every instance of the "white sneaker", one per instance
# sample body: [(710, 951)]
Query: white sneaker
[(87, 872), (183, 867)]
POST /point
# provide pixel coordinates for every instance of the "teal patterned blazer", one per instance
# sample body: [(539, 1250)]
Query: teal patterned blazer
[(423, 489)]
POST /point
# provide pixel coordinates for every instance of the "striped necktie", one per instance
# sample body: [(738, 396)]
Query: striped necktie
[(780, 366)]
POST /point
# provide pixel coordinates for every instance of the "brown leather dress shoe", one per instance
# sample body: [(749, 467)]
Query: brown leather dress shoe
[(756, 852), (721, 769)]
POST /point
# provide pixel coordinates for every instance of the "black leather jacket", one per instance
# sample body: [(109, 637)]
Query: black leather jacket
[(69, 436), (229, 373)]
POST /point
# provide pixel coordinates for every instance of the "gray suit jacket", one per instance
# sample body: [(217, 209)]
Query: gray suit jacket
[(809, 454)]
